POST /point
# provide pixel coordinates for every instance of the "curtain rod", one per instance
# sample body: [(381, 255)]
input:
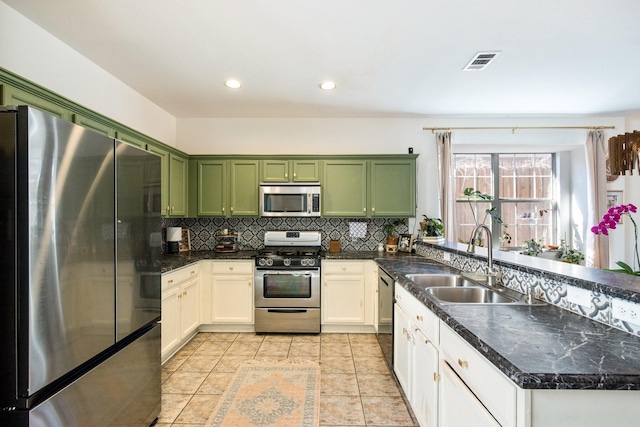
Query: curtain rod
[(515, 128)]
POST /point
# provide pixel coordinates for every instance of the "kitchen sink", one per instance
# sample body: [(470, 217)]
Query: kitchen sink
[(470, 295), (439, 280)]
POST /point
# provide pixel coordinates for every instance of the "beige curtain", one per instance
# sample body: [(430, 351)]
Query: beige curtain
[(597, 247), (447, 186)]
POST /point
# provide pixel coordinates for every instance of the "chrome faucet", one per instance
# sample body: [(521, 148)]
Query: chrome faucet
[(492, 274)]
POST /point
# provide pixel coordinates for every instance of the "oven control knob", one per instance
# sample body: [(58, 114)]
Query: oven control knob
[(269, 262), (307, 261), (287, 262), (262, 262)]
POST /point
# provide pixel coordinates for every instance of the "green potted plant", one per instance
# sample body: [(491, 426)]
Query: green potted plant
[(474, 195), (571, 256), (390, 231), (432, 229)]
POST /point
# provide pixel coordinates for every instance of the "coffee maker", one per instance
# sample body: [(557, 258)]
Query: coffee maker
[(174, 237)]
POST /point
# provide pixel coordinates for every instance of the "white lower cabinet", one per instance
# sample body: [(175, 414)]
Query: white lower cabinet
[(232, 298), (180, 308), (424, 390), (470, 391), (348, 295), (458, 406), (416, 356), (402, 349)]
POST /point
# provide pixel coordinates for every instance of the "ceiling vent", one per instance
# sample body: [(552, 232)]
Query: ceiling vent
[(481, 60)]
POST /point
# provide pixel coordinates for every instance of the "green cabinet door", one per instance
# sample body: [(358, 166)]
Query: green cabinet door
[(392, 188), (164, 177), (178, 181), (14, 96), (94, 125), (344, 188), (274, 170), (243, 190), (212, 187), (306, 170)]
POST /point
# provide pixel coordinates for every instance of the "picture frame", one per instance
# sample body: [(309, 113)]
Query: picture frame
[(185, 244), (614, 198), (405, 244)]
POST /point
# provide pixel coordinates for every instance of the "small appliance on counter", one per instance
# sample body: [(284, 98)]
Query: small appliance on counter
[(174, 237), (227, 242)]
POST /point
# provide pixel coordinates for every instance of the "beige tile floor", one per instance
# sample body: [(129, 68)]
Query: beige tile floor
[(356, 388)]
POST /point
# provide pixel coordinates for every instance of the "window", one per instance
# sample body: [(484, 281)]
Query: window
[(526, 201)]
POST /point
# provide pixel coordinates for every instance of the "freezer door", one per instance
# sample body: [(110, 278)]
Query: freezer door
[(123, 391), (139, 239), (66, 246)]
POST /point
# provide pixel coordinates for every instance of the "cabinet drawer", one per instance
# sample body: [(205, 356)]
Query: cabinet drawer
[(496, 392), (232, 267), (180, 275), (419, 314), (343, 267)]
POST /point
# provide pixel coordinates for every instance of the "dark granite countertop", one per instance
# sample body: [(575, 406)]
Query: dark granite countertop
[(537, 347), (175, 261)]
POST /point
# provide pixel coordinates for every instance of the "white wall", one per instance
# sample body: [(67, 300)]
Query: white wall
[(32, 53), (394, 136)]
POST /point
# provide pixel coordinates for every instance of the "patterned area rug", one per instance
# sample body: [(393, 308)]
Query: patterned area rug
[(283, 394)]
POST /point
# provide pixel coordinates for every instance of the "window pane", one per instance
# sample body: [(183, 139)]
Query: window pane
[(473, 171), (525, 195), (528, 220)]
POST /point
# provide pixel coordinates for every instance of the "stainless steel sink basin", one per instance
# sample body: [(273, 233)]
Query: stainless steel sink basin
[(439, 280), (470, 295)]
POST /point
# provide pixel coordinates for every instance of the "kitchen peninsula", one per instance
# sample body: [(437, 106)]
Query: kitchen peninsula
[(555, 366)]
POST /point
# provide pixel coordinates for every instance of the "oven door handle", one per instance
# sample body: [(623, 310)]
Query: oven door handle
[(284, 310)]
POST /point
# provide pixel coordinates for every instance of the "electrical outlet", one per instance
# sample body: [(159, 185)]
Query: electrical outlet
[(625, 310), (446, 256), (579, 296)]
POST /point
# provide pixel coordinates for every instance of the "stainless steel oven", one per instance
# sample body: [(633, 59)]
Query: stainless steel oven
[(287, 283)]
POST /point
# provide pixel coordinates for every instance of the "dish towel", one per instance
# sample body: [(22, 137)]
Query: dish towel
[(357, 230)]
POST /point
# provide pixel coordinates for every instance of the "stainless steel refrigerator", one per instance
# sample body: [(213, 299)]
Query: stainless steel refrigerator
[(80, 276)]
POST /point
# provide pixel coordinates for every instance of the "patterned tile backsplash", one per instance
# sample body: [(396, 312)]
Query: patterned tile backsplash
[(544, 286), (251, 230)]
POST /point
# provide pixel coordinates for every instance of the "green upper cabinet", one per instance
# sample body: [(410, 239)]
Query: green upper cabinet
[(178, 184), (243, 190), (164, 177), (392, 188), (274, 171), (14, 96), (94, 125), (282, 170), (306, 170), (223, 187), (209, 188), (174, 181), (344, 188), (383, 187)]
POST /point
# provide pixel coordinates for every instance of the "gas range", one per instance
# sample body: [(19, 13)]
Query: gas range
[(290, 249), (308, 256), (287, 283)]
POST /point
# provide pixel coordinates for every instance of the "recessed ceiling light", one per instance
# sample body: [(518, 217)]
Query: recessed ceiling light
[(233, 84), (328, 85)]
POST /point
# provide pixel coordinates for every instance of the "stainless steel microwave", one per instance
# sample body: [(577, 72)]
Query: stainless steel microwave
[(290, 200)]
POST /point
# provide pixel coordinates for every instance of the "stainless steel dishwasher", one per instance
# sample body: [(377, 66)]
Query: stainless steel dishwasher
[(385, 315)]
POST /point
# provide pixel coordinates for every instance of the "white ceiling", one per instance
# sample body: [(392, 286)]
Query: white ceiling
[(400, 58)]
